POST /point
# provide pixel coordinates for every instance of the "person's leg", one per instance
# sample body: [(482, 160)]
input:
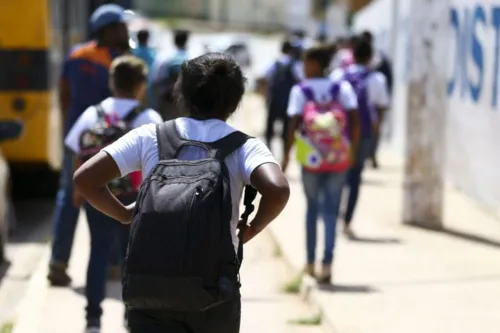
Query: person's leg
[(354, 182), (374, 149), (271, 119), (332, 185), (114, 271), (284, 133), (311, 183), (103, 229), (63, 224)]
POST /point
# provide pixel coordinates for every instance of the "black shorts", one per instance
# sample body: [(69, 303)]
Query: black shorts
[(224, 318)]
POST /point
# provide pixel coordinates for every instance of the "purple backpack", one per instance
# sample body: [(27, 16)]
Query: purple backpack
[(367, 113)]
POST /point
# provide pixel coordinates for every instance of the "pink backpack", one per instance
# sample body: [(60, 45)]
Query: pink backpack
[(323, 144)]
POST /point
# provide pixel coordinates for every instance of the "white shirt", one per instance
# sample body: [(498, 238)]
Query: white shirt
[(321, 88), (378, 94), (118, 106), (138, 150)]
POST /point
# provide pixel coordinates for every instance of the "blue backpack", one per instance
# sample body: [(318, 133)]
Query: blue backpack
[(280, 86), (170, 75)]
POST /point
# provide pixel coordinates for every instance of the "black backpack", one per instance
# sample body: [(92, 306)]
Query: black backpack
[(281, 83), (181, 255), (385, 68), (104, 132)]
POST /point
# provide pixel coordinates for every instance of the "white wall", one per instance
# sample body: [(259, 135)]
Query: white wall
[(473, 133)]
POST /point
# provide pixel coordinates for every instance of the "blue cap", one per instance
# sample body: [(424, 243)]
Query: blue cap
[(105, 15)]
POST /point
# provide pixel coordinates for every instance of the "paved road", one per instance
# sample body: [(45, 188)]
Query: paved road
[(24, 252)]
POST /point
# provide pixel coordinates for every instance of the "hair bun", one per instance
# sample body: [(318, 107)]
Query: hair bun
[(220, 69)]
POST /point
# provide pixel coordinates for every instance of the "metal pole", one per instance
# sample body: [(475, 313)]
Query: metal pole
[(426, 121)]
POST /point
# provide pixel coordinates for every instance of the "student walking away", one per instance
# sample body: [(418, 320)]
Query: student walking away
[(381, 64), (344, 57), (324, 128), (147, 54), (281, 77), (84, 82), (371, 91), (99, 126), (184, 255), (166, 72)]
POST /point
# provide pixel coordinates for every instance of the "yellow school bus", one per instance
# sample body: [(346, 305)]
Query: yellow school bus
[(34, 37)]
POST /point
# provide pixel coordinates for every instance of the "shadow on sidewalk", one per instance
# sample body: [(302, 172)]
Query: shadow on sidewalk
[(344, 288), (376, 240), (461, 235), (4, 267)]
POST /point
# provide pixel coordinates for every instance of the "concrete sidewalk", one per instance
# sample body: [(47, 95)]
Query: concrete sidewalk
[(264, 309), (399, 278)]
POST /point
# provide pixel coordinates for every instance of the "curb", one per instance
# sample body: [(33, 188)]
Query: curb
[(308, 288), (29, 312)]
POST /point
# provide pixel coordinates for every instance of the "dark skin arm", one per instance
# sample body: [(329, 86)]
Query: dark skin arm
[(381, 114), (271, 183), (91, 181), (290, 140)]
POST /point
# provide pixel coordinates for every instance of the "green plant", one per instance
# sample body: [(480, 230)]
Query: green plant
[(293, 286), (7, 327), (314, 320)]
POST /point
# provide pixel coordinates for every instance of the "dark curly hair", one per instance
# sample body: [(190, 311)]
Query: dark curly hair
[(210, 86)]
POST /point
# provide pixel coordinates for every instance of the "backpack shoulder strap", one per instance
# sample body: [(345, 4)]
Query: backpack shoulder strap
[(170, 141), (335, 89), (134, 113), (224, 147), (101, 113), (307, 91)]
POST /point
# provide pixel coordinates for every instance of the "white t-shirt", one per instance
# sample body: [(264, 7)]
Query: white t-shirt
[(378, 94), (138, 150), (118, 106), (321, 88)]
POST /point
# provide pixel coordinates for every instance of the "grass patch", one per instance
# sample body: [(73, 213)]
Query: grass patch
[(7, 327), (314, 320), (293, 286), (277, 251)]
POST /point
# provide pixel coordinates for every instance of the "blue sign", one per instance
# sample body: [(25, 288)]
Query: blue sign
[(470, 51)]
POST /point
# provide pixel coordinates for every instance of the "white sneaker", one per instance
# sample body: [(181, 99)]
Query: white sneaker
[(93, 330)]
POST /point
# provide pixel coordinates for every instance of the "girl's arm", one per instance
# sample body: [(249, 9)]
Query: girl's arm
[(271, 183), (91, 181), (290, 140)]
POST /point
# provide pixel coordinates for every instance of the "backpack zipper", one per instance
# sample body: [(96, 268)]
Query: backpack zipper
[(196, 195)]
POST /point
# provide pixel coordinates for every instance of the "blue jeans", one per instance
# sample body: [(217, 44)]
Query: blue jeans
[(354, 177), (65, 215), (103, 233), (323, 191)]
